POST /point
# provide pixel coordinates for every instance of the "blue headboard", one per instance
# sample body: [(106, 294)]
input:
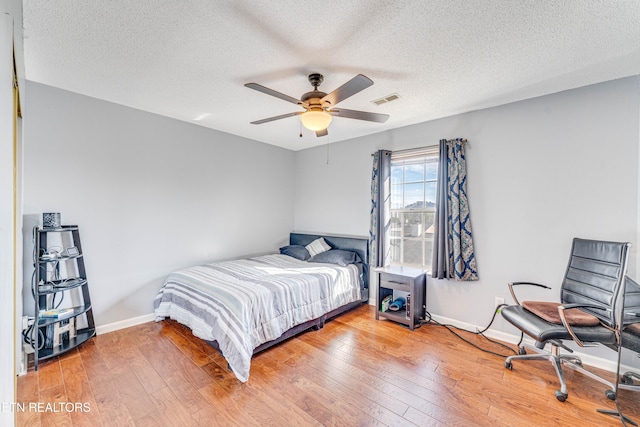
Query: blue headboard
[(359, 245)]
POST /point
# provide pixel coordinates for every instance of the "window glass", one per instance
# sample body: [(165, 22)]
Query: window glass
[(396, 175), (414, 173), (413, 197), (430, 195), (396, 197), (432, 170)]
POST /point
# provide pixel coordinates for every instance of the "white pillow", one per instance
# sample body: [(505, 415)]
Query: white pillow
[(317, 247)]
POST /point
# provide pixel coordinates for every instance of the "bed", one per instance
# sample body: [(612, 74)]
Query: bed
[(242, 307)]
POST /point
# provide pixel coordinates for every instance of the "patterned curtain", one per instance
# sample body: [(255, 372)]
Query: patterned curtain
[(453, 255), (380, 209)]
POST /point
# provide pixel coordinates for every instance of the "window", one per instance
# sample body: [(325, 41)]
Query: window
[(413, 206)]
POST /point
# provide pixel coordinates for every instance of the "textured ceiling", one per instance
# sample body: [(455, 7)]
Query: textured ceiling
[(190, 59)]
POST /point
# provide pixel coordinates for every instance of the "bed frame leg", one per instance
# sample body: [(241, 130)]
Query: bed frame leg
[(320, 324)]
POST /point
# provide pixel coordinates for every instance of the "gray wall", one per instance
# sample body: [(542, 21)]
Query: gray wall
[(150, 194), (540, 171), (154, 194)]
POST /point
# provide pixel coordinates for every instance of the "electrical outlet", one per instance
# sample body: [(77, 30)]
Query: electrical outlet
[(499, 301), (27, 321)]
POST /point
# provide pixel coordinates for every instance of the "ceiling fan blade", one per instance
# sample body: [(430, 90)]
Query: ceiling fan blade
[(272, 92), (323, 132), (359, 115), (282, 116), (353, 86)]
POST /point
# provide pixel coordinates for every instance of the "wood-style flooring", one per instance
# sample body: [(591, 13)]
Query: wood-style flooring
[(355, 372)]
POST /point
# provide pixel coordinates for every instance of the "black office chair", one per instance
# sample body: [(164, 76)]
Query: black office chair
[(631, 340), (626, 391), (588, 296), (630, 336)]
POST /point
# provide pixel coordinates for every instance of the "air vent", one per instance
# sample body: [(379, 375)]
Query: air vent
[(386, 99)]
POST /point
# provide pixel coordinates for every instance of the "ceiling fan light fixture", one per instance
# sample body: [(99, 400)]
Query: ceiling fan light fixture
[(316, 120), (316, 103)]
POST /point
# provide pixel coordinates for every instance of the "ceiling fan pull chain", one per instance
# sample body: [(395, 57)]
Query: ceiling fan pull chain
[(328, 144)]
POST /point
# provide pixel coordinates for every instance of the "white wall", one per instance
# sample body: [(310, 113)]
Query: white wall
[(150, 194), (540, 172)]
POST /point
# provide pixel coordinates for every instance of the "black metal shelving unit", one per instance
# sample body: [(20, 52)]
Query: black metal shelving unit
[(52, 337)]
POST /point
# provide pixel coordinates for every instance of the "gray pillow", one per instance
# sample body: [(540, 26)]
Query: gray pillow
[(296, 251), (337, 256)]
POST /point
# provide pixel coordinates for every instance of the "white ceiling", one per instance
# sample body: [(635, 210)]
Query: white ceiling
[(190, 59)]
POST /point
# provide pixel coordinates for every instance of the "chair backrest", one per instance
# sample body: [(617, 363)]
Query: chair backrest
[(631, 300), (595, 274)]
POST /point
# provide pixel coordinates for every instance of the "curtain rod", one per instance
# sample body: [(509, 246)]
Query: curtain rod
[(411, 151), (414, 151), (427, 150)]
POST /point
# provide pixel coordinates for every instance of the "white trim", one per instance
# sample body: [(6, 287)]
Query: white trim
[(127, 323), (8, 327), (596, 362), (26, 352), (411, 153), (633, 253)]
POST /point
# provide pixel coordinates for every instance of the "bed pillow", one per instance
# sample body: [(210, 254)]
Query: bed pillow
[(296, 251), (317, 247), (336, 256)]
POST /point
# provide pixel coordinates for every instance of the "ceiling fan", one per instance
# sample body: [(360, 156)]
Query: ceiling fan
[(319, 106)]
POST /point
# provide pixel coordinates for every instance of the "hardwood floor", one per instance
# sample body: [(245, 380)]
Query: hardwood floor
[(355, 372)]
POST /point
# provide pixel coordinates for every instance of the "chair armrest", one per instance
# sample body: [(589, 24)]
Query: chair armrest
[(512, 284), (563, 317)]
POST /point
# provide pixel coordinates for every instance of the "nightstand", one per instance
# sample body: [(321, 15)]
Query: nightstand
[(406, 280)]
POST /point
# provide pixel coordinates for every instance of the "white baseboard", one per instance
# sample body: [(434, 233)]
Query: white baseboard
[(111, 327), (587, 359), (24, 359), (596, 362)]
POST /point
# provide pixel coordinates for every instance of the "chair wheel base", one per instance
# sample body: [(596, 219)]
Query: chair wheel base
[(611, 395), (522, 350), (561, 396), (508, 365)]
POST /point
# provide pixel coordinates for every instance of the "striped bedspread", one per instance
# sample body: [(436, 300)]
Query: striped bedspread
[(244, 303)]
